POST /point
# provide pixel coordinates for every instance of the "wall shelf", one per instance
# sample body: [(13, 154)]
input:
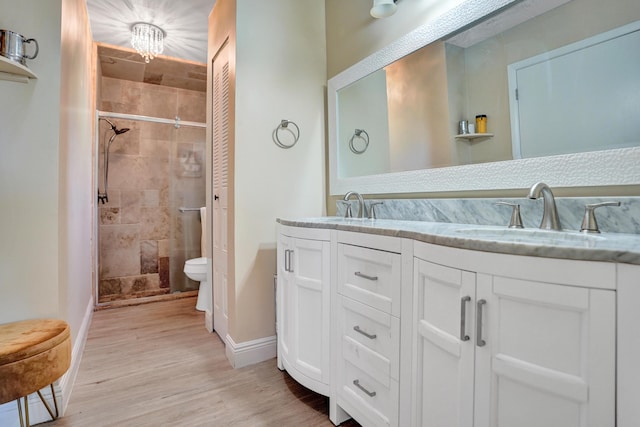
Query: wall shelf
[(14, 71), (472, 136)]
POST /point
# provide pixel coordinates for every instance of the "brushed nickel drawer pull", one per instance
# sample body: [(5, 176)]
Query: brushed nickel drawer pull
[(369, 393), (290, 263), (479, 341), (286, 260), (463, 318), (364, 276), (357, 329)]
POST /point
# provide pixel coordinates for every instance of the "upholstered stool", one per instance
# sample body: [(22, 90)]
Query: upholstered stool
[(33, 354)]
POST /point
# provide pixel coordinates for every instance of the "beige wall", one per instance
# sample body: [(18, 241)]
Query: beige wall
[(46, 188), (45, 168), (276, 77), (45, 172), (419, 113), (29, 170), (364, 106), (353, 34), (75, 172)]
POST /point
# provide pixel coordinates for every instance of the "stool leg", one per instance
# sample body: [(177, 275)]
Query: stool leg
[(46, 405), (20, 412), (55, 402), (26, 410)]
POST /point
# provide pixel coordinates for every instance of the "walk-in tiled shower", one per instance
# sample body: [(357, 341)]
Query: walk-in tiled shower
[(155, 169)]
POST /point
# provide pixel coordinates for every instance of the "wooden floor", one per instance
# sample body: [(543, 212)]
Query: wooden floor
[(156, 365)]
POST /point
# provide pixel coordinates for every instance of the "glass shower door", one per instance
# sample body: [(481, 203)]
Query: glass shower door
[(187, 195), (143, 237)]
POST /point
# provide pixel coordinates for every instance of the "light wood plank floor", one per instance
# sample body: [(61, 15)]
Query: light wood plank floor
[(156, 365)]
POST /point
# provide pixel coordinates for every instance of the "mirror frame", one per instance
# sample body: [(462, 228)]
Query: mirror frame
[(597, 168)]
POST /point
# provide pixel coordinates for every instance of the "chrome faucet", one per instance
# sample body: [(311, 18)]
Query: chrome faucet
[(346, 198), (550, 219)]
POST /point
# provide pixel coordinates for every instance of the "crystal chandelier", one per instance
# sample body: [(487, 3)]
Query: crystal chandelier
[(147, 39)]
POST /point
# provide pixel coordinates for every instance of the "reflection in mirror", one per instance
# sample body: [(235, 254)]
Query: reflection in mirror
[(411, 108), (592, 99)]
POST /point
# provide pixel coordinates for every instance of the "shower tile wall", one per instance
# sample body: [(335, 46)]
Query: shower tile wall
[(140, 253)]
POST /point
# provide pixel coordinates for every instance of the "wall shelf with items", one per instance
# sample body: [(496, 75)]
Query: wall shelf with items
[(474, 136), (14, 71)]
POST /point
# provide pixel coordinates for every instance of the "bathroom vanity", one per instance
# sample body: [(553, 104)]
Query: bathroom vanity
[(410, 323)]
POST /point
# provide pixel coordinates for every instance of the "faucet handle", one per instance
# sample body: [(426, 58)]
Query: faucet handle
[(347, 212), (516, 219), (589, 223), (372, 209)]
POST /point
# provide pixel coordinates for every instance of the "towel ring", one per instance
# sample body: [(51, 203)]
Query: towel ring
[(358, 134), (284, 124)]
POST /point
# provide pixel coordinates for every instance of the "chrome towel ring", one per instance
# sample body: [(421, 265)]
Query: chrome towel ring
[(359, 135), (284, 124)]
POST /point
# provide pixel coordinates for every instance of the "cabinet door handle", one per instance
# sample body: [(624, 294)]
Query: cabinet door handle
[(463, 318), (369, 393), (371, 337), (286, 260), (479, 341), (290, 263), (365, 276)]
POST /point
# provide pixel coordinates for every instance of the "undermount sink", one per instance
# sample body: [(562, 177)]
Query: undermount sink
[(529, 234)]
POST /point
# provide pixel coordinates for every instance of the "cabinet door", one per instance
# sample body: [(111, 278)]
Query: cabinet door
[(303, 322), (309, 308), (549, 357), (443, 351)]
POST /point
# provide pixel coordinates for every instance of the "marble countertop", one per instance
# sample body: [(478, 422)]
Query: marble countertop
[(608, 247)]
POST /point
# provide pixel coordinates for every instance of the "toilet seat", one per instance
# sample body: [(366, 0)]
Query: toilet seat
[(202, 261), (196, 269)]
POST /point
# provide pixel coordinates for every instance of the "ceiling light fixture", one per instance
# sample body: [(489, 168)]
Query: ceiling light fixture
[(383, 8), (147, 39)]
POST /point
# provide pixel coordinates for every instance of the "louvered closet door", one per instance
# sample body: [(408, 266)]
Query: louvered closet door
[(220, 144)]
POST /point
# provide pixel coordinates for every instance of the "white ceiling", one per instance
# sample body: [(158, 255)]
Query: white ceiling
[(184, 21)]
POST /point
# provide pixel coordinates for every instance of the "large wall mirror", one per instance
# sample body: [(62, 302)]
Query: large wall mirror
[(559, 82)]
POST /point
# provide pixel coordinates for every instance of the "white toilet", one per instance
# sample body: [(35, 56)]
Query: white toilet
[(196, 269)]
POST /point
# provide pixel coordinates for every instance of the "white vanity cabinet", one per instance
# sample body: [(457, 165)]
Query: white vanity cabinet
[(303, 305), (501, 340), (368, 306), (399, 332)]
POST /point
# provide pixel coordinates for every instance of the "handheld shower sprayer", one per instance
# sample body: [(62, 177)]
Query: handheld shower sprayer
[(103, 197), (114, 128)]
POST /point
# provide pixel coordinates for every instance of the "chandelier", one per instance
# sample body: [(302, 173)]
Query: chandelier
[(147, 39)]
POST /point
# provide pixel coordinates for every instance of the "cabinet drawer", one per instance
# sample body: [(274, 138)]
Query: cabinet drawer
[(374, 329), (365, 399), (370, 276)]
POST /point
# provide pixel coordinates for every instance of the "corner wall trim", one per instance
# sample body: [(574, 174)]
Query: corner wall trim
[(68, 380), (37, 412), (250, 352)]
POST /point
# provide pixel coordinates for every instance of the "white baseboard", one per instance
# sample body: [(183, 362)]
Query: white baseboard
[(63, 386), (250, 352)]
